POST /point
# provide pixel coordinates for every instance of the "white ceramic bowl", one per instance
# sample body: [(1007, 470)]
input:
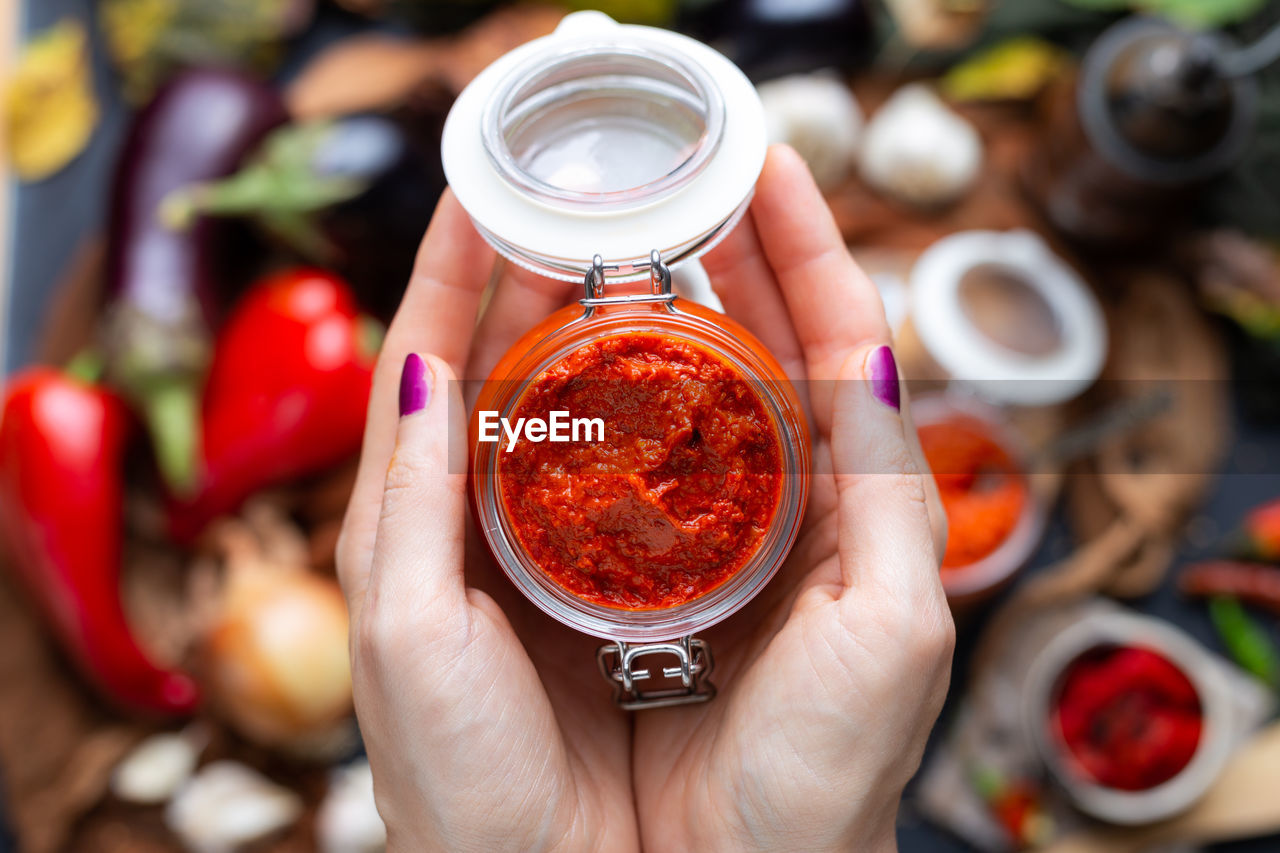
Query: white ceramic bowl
[(1122, 628)]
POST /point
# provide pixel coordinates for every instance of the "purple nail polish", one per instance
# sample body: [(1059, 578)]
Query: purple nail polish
[(415, 385), (882, 371)]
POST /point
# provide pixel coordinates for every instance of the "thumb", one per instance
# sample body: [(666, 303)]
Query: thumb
[(416, 576), (885, 535)]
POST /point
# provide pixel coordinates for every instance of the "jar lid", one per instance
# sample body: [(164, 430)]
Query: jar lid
[(605, 139), (1032, 294)]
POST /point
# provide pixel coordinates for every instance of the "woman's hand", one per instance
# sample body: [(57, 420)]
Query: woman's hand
[(830, 680), (480, 737)]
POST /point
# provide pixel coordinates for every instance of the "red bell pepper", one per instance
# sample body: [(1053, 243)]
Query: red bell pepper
[(62, 516), (287, 391)]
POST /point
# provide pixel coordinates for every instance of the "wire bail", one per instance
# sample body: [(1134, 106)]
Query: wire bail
[(659, 281), (694, 665)]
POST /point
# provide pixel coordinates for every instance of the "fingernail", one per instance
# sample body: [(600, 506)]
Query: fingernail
[(415, 385), (882, 371)]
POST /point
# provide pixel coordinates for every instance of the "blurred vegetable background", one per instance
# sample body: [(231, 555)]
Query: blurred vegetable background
[(215, 206)]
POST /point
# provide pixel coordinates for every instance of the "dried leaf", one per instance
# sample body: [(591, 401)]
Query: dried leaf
[(1012, 70), (147, 39), (50, 110), (134, 27)]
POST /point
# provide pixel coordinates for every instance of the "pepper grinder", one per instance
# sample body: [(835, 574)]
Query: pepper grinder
[(1154, 113)]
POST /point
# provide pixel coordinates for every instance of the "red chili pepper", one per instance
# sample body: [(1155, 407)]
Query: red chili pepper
[(1262, 531), (286, 394), (62, 515), (1252, 583)]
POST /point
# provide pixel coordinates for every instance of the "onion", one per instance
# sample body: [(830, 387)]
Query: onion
[(275, 659)]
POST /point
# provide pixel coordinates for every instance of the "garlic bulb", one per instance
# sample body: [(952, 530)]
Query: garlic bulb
[(817, 115), (918, 151), (348, 820), (158, 766), (227, 806)]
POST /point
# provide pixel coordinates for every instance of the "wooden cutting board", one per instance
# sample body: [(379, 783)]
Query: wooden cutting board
[(1242, 804)]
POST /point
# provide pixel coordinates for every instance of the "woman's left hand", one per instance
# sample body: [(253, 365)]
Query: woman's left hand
[(487, 726)]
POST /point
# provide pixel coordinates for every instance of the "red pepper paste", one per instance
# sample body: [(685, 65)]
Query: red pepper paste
[(983, 490), (1128, 717), (675, 500)]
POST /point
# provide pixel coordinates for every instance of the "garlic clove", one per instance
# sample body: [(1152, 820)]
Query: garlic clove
[(817, 115), (348, 819), (228, 805), (917, 150), (158, 766)]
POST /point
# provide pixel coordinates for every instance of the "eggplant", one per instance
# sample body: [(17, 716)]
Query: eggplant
[(354, 194), (163, 285)]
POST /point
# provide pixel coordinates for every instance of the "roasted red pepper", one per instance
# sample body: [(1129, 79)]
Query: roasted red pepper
[(1129, 717), (286, 394), (62, 516)]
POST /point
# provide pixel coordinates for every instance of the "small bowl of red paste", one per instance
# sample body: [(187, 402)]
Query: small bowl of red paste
[(994, 517), (1130, 716), (687, 505)]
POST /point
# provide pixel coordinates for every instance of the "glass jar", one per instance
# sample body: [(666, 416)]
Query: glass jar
[(666, 315), (613, 154), (669, 630)]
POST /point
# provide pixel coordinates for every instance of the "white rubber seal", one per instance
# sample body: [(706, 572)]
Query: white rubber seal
[(708, 201), (995, 372)]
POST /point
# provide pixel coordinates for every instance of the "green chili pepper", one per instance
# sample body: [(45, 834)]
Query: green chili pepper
[(1246, 640)]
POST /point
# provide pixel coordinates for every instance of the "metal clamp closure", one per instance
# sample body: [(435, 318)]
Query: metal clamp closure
[(694, 665), (659, 278)]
